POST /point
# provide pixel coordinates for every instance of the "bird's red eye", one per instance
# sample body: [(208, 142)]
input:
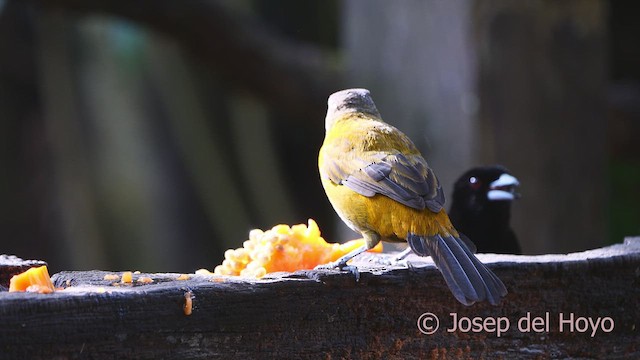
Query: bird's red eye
[(474, 183)]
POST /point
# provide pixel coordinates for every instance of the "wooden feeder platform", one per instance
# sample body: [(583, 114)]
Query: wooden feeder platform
[(580, 305)]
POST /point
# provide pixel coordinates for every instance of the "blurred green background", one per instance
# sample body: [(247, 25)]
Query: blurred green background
[(153, 135)]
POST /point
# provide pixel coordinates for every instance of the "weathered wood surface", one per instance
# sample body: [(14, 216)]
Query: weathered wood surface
[(325, 314)]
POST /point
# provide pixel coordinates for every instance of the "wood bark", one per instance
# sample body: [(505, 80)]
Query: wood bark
[(328, 315)]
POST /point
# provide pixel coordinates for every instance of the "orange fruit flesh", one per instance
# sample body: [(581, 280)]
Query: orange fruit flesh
[(284, 248), (35, 279)]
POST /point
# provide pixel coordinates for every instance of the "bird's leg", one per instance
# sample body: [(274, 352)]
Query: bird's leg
[(398, 260), (341, 263), (402, 255), (371, 240)]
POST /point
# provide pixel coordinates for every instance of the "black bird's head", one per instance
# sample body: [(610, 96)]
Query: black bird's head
[(487, 186), (481, 208)]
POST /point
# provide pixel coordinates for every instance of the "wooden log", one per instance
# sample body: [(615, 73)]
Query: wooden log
[(583, 305)]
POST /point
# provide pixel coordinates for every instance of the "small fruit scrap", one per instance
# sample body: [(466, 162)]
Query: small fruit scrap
[(183, 277), (144, 280), (127, 277), (111, 277), (35, 279), (284, 248), (188, 303)]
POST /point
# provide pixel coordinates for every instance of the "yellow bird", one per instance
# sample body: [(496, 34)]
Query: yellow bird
[(381, 187)]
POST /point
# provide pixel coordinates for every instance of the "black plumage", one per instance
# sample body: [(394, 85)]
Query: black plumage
[(481, 209)]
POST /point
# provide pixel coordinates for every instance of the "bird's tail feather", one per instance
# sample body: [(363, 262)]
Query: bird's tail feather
[(468, 279)]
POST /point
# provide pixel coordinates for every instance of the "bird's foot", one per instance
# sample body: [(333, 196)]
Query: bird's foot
[(342, 266), (397, 260), (341, 263), (394, 261)]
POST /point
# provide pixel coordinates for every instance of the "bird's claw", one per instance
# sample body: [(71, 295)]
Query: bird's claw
[(340, 266), (410, 265), (353, 270), (400, 262), (397, 262), (393, 261)]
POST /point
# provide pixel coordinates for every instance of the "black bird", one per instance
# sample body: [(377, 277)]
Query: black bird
[(481, 209)]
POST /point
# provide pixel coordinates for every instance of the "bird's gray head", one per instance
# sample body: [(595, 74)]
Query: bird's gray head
[(349, 100)]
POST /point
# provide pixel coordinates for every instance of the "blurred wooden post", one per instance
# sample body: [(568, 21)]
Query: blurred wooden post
[(542, 77), (418, 63), (515, 83)]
